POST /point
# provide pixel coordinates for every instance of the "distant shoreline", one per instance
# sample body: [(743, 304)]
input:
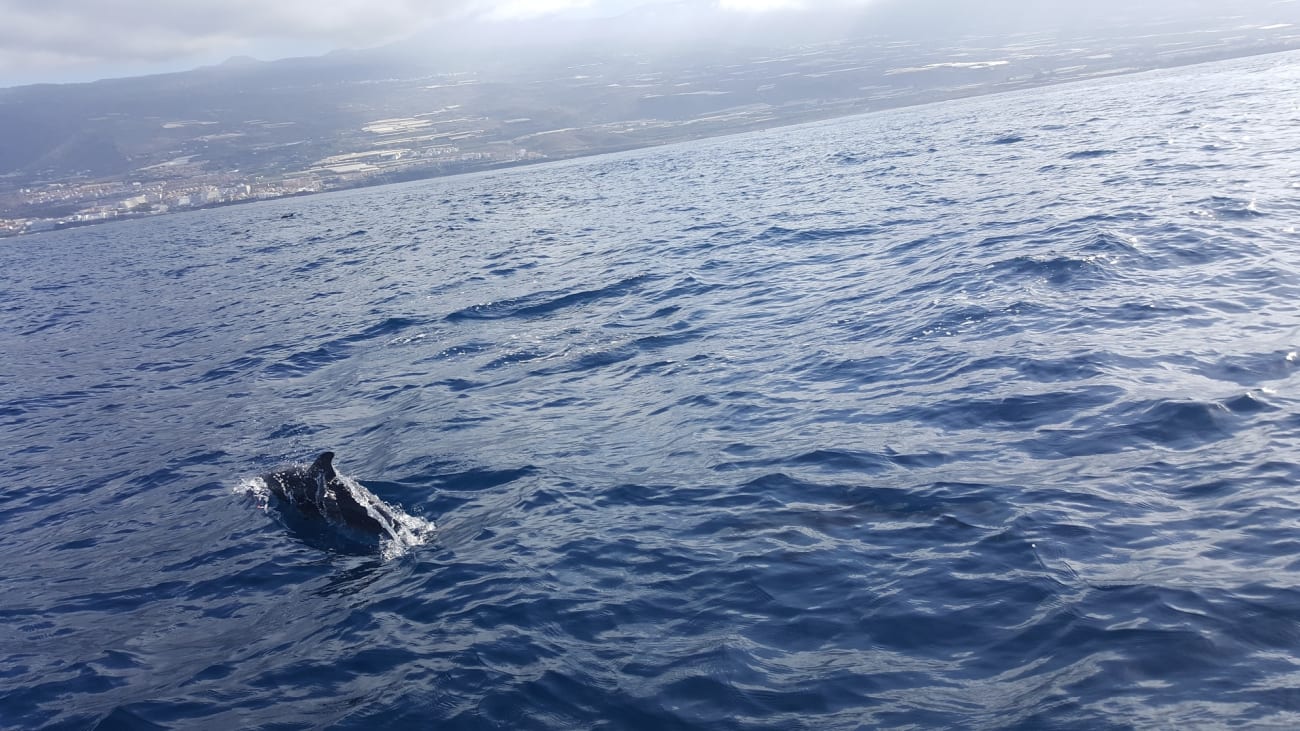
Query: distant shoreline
[(829, 111)]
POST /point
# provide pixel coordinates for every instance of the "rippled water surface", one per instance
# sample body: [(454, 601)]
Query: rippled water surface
[(975, 415)]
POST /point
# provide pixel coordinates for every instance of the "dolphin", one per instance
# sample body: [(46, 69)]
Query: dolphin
[(318, 492)]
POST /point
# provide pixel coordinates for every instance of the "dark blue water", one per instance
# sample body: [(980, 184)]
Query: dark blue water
[(975, 415)]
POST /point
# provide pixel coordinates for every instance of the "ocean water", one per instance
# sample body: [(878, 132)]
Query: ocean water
[(975, 415)]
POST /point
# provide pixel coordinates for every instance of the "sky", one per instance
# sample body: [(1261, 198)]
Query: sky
[(54, 41), (79, 40)]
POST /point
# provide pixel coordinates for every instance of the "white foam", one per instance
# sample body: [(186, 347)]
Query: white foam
[(255, 489)]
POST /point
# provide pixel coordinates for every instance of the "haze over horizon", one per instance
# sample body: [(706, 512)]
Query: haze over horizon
[(63, 41)]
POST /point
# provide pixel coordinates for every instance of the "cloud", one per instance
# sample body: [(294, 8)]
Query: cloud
[(759, 6), (764, 6), (51, 33), (525, 9), (40, 35)]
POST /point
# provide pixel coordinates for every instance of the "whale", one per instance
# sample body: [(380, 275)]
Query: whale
[(319, 494)]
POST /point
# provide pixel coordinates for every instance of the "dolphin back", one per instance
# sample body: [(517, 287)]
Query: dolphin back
[(319, 502), (361, 516)]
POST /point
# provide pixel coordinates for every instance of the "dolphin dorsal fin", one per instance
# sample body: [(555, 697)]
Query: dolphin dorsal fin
[(323, 465)]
